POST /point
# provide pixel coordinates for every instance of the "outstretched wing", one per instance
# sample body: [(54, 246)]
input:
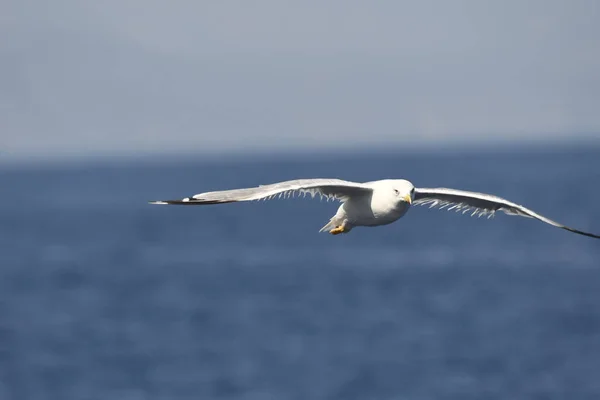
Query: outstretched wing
[(479, 204), (328, 188)]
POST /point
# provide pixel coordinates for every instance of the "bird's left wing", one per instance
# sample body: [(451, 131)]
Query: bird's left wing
[(480, 204), (329, 188)]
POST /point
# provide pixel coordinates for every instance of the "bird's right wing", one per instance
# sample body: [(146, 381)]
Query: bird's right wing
[(480, 204), (329, 188)]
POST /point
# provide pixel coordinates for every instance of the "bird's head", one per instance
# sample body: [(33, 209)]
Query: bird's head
[(403, 190), (392, 194)]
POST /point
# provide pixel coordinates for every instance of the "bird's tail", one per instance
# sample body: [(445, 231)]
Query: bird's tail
[(333, 222)]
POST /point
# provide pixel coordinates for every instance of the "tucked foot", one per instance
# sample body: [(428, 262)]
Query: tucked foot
[(339, 229)]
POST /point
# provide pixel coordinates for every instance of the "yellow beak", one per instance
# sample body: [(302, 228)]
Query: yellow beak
[(408, 199)]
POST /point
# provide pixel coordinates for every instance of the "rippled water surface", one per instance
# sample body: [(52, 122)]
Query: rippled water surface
[(103, 296)]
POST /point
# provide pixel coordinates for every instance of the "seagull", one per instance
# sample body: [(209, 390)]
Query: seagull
[(372, 203)]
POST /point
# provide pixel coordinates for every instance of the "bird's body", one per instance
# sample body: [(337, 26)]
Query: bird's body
[(381, 206), (372, 203)]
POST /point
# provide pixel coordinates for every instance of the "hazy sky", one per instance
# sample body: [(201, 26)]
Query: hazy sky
[(142, 75)]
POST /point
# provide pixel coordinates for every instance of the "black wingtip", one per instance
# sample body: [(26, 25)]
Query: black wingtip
[(581, 232), (186, 200), (165, 202), (189, 201)]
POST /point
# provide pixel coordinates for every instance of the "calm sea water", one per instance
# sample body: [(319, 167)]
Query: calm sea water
[(103, 296)]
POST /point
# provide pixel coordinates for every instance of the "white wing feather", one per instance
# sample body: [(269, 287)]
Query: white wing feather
[(480, 204), (331, 189)]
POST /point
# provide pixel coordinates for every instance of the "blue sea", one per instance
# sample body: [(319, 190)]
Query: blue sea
[(103, 296)]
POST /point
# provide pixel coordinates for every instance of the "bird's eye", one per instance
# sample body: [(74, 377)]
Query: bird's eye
[(396, 191)]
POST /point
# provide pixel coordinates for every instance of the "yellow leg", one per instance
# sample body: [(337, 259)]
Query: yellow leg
[(339, 229)]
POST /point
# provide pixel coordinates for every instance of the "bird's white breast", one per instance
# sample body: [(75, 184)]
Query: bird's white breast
[(380, 208), (387, 209)]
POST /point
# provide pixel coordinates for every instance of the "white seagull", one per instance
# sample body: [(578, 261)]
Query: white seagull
[(372, 203)]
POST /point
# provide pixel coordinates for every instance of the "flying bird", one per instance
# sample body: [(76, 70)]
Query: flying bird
[(372, 203)]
